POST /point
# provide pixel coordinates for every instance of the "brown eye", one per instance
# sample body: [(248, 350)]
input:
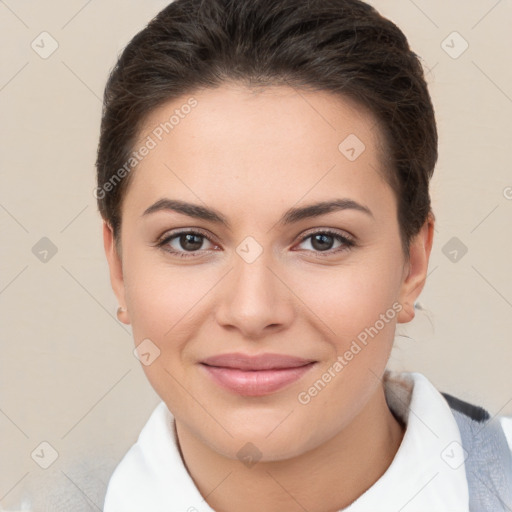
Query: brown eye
[(184, 242), (324, 242), (190, 241)]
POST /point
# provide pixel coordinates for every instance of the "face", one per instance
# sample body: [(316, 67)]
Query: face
[(244, 264)]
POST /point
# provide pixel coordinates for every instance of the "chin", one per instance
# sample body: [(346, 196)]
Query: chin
[(265, 440)]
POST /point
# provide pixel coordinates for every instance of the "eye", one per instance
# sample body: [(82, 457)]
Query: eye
[(190, 243), (323, 242), (184, 243)]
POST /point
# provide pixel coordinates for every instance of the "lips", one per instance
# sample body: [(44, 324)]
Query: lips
[(255, 375), (257, 362)]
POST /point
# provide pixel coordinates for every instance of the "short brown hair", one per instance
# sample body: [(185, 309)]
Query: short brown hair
[(341, 46)]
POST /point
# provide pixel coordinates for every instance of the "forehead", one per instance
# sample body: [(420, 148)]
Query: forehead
[(277, 143), (276, 115)]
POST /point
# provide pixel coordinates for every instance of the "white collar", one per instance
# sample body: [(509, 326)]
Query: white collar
[(423, 475), (427, 472)]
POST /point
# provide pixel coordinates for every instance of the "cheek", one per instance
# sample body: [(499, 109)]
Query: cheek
[(349, 298), (167, 306), (356, 310), (353, 306), (163, 301), (160, 295)]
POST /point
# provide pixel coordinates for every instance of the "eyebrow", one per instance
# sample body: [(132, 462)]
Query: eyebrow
[(290, 216)]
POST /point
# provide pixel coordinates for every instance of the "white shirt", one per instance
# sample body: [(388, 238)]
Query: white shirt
[(427, 472)]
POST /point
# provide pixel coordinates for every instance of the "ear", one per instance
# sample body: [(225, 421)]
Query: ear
[(415, 271), (116, 271)]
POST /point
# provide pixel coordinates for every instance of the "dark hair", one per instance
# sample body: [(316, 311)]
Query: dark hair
[(341, 46)]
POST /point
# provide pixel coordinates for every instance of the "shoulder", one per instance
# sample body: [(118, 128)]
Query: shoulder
[(487, 444), (476, 417), (76, 483)]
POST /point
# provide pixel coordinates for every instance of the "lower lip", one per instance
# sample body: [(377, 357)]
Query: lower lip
[(256, 382)]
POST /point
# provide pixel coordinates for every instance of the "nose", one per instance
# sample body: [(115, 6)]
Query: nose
[(254, 299)]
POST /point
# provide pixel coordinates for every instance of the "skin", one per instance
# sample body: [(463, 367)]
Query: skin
[(252, 156)]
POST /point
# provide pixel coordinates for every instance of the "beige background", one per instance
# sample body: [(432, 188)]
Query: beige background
[(68, 375)]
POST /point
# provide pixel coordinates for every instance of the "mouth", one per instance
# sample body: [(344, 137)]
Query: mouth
[(256, 375)]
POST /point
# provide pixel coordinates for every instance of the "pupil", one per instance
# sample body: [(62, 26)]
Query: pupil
[(188, 239), (322, 238)]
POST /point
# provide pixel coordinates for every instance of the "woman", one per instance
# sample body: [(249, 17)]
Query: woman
[(263, 174)]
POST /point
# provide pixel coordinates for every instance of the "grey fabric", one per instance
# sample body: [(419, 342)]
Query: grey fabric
[(77, 485), (488, 464), (80, 485)]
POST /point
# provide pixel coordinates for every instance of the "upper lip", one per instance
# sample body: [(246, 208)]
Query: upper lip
[(256, 362)]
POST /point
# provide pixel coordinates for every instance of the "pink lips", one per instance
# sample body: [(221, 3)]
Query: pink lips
[(255, 375)]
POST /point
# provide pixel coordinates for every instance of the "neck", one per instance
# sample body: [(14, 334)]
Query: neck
[(329, 477)]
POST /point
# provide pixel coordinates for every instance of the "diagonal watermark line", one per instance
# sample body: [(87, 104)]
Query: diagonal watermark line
[(432, 270), (306, 193), (286, 491), (494, 491), (429, 70), (493, 417), (14, 423), (13, 13), (14, 218), (14, 76), (300, 300), (95, 299), (316, 110), (484, 218), (215, 488), (74, 218), (404, 403), (280, 423), (424, 14), (81, 491), (492, 81), (480, 274), (406, 503), (81, 81), (184, 184), (198, 402), (97, 402), (76, 14), (5, 495), (13, 279), (485, 15)]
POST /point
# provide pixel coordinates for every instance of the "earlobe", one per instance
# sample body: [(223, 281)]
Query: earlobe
[(414, 281), (116, 271)]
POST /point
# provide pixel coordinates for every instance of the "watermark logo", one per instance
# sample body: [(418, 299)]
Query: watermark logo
[(249, 249), (454, 249), (44, 455), (44, 250), (249, 454), (454, 45), (454, 455), (150, 143), (146, 352), (352, 147), (305, 397), (44, 45)]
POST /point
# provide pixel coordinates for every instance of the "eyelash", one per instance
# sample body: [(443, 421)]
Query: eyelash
[(348, 242)]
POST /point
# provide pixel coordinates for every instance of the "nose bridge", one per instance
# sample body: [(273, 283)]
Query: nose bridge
[(253, 297)]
